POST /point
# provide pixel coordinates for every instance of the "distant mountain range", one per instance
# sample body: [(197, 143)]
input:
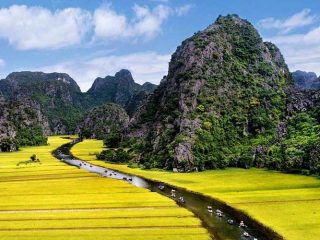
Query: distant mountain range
[(306, 80), (57, 103)]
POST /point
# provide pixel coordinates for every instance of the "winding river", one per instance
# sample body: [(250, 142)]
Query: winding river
[(221, 226)]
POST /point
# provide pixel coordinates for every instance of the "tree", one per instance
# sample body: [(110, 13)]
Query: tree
[(112, 140)]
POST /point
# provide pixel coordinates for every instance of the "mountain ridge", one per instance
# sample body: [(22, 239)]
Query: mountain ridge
[(225, 88), (306, 80), (57, 98)]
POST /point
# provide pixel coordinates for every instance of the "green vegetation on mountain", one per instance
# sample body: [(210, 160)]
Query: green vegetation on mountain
[(55, 105), (120, 89), (58, 97), (228, 100), (101, 121), (306, 80), (20, 125)]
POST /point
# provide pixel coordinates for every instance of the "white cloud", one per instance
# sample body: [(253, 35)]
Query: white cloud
[(302, 51), (299, 19), (144, 66), (2, 63), (37, 28), (183, 10), (146, 22), (109, 24)]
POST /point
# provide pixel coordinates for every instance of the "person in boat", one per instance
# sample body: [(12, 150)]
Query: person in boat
[(242, 225), (219, 213), (230, 221), (210, 210), (173, 193)]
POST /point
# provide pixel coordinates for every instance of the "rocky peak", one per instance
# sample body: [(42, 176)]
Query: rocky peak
[(56, 95), (306, 80), (149, 87), (124, 74), (27, 83), (213, 77), (103, 120), (233, 19), (120, 89)]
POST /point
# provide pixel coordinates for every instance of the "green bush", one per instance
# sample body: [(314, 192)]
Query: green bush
[(115, 155), (112, 140)]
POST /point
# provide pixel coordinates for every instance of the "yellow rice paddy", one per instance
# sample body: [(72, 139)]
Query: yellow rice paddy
[(53, 200), (289, 204)]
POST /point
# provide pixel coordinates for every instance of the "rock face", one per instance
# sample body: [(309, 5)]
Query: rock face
[(58, 98), (120, 89), (102, 120), (21, 123), (306, 80), (56, 95), (224, 85)]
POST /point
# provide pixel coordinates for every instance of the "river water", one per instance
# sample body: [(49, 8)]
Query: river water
[(220, 227)]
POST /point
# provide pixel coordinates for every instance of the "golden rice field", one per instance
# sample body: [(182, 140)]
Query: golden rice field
[(289, 204), (53, 200)]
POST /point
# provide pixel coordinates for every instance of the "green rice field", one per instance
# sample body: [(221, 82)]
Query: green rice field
[(288, 204), (52, 200)]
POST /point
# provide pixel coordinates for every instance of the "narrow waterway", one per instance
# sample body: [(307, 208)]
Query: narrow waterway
[(222, 221)]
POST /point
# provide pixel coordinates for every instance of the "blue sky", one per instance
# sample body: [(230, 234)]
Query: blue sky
[(91, 38)]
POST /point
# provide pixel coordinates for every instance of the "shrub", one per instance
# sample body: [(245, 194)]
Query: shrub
[(116, 155), (112, 140)]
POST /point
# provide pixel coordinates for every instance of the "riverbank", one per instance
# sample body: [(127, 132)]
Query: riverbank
[(288, 204), (52, 200)]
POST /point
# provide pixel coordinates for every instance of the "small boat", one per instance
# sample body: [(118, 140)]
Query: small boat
[(130, 179), (105, 170), (173, 193), (219, 214), (245, 234), (161, 187), (124, 178), (182, 200), (230, 221), (210, 210)]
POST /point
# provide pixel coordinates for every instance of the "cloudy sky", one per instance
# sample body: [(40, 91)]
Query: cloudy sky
[(91, 38)]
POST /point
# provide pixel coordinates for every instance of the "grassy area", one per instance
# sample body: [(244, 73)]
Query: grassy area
[(53, 200), (289, 204)]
